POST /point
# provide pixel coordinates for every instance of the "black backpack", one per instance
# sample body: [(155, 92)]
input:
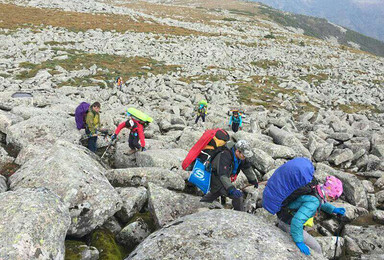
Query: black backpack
[(286, 214)]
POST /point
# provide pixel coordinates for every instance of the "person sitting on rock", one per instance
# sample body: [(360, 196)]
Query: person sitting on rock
[(92, 125), (293, 217), (225, 165), (236, 121), (201, 112), (137, 132)]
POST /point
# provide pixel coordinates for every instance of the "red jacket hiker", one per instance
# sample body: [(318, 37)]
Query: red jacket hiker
[(137, 132)]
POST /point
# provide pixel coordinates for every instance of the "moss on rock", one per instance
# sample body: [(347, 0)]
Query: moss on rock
[(104, 241), (73, 249), (148, 219)]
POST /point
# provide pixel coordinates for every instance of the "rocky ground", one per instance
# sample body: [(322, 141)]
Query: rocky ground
[(301, 97)]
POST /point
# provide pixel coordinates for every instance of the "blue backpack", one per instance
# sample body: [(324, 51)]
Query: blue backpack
[(288, 178)]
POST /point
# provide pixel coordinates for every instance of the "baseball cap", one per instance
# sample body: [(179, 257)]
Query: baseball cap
[(244, 147)]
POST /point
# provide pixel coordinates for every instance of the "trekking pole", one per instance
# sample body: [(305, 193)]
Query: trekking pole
[(337, 235), (109, 145)]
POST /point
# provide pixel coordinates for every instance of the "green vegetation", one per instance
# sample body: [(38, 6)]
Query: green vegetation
[(264, 90), (269, 36), (109, 67), (241, 12), (229, 19), (104, 241), (73, 249), (266, 64), (353, 108), (316, 79), (148, 219)]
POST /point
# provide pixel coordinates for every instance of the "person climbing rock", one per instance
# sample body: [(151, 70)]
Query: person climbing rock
[(297, 213), (92, 125), (136, 134), (227, 164), (235, 121)]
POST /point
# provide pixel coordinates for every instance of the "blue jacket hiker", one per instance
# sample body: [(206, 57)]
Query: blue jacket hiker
[(294, 216), (236, 121)]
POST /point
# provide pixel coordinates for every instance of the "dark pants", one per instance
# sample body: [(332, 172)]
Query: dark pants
[(237, 203), (92, 143), (133, 141), (202, 117), (235, 127)]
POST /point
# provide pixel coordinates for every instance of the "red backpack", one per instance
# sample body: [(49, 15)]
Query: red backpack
[(209, 145)]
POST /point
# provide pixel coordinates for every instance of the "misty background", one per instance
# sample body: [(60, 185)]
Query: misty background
[(364, 16)]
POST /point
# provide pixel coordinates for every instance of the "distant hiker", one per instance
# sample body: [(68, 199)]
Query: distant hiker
[(136, 134), (201, 110), (92, 125), (119, 82), (305, 198), (225, 165), (236, 121)]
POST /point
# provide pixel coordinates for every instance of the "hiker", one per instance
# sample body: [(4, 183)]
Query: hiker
[(92, 125), (225, 165), (119, 82), (136, 134), (201, 111), (235, 121), (293, 217)]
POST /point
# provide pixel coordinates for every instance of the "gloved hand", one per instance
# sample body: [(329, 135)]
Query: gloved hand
[(235, 193), (339, 211), (113, 137), (256, 185), (143, 149), (240, 128), (303, 248)]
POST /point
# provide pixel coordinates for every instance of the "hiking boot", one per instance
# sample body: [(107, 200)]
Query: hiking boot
[(132, 151)]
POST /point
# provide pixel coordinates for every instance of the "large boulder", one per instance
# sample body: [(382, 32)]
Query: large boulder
[(33, 225), (49, 127), (188, 138), (7, 119), (142, 175), (72, 173), (283, 137), (367, 239), (354, 191), (168, 159), (166, 206), (274, 150), (219, 234), (133, 201), (4, 158)]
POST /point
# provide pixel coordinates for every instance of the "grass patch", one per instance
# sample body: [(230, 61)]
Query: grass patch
[(354, 108), (14, 17), (316, 79), (228, 19), (266, 64), (110, 66)]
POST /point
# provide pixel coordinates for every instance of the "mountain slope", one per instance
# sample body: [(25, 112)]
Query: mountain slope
[(321, 28), (366, 17)]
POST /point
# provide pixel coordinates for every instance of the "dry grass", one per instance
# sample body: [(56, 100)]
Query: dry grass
[(111, 65), (356, 108), (13, 17)]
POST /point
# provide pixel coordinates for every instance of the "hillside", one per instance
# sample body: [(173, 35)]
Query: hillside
[(323, 29), (299, 96), (366, 17)]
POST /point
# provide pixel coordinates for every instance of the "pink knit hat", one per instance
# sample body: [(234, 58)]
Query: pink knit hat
[(333, 187)]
